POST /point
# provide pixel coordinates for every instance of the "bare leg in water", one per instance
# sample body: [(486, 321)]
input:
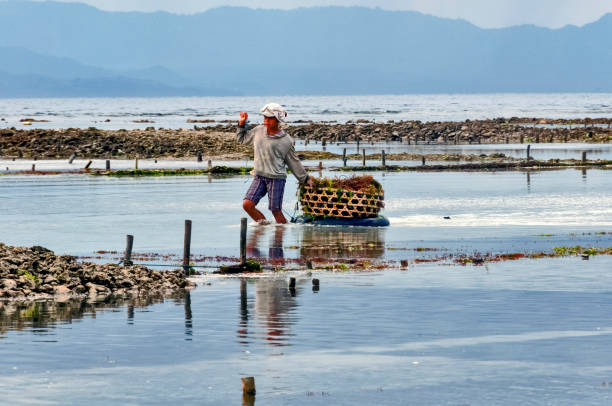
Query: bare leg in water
[(280, 217), (252, 211)]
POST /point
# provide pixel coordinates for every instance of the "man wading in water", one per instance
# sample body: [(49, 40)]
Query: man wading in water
[(273, 150)]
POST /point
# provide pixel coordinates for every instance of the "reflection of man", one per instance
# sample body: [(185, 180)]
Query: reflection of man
[(275, 249), (273, 303), (273, 150)]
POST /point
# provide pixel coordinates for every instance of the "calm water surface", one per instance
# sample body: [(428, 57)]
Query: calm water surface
[(526, 332), (519, 332)]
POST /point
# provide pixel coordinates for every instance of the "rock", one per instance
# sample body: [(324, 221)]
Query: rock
[(26, 282), (61, 290), (49, 280), (39, 272)]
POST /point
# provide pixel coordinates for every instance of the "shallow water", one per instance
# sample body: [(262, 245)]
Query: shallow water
[(523, 332), (516, 332), (489, 212), (173, 112), (542, 151)]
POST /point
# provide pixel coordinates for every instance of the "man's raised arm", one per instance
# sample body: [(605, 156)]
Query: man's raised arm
[(244, 136)]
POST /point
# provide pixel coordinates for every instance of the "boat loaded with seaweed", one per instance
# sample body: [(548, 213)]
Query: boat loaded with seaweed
[(353, 201)]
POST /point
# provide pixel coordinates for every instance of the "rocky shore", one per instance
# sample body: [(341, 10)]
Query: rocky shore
[(497, 131), (36, 272), (218, 141), (95, 143)]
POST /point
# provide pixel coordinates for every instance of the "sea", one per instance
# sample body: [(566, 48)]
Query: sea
[(439, 331), (173, 112)]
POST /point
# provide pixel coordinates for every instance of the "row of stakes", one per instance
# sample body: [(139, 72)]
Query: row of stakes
[(344, 159), (129, 245)]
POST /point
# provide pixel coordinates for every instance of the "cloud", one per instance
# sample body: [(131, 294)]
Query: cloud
[(483, 13)]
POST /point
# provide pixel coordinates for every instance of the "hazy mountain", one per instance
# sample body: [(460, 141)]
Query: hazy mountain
[(329, 50), (25, 73)]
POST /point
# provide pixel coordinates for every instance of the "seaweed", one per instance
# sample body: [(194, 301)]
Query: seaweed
[(215, 170)]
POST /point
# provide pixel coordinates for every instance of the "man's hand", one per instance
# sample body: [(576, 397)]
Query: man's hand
[(243, 118), (310, 183)]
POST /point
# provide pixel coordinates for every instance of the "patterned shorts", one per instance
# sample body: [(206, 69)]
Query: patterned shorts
[(273, 187)]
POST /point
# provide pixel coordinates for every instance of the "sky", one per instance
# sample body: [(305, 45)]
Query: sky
[(483, 13)]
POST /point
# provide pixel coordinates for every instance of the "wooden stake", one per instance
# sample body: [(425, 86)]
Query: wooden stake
[(291, 283), (108, 165), (384, 158), (320, 166), (33, 168), (88, 164), (528, 152), (243, 236), (129, 243), (187, 246), (72, 157), (344, 155), (364, 157), (199, 157), (136, 164), (584, 156), (209, 164), (423, 160), (248, 386)]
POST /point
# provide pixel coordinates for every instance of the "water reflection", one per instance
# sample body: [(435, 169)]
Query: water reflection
[(41, 316), (342, 242), (315, 242), (273, 308), (275, 245)]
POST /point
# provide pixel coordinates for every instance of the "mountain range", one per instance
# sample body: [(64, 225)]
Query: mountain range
[(53, 49)]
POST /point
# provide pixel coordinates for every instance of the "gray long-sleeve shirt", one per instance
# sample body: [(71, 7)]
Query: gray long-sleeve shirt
[(272, 153)]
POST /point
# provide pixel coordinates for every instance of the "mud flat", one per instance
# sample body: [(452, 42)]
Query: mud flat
[(218, 141), (36, 273)]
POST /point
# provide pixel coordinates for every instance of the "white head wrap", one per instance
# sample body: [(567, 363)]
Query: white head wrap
[(274, 110)]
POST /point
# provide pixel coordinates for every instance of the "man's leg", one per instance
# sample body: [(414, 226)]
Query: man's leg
[(256, 191), (252, 211), (279, 217), (276, 189)]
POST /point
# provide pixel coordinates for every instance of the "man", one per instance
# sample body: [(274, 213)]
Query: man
[(273, 151)]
